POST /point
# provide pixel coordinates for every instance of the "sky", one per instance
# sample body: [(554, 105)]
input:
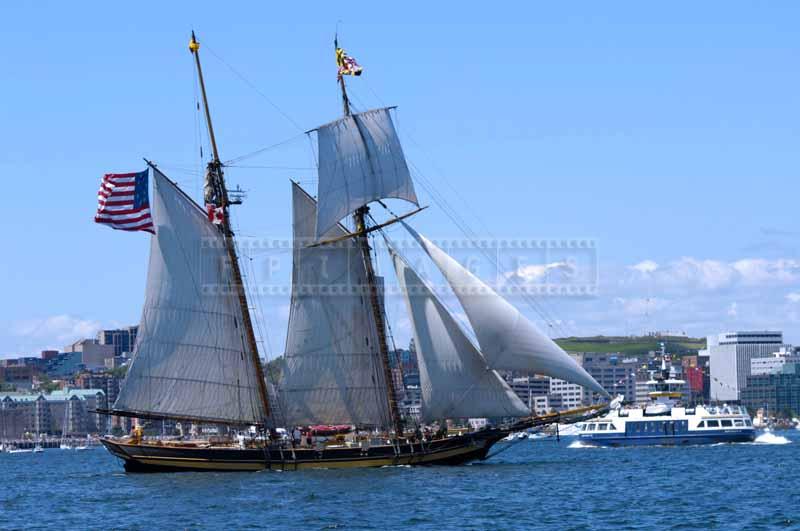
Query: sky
[(660, 138)]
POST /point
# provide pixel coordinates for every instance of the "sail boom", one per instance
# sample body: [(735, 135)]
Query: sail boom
[(180, 418), (367, 230), (333, 122)]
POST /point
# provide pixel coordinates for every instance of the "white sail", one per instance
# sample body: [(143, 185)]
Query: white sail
[(508, 340), (191, 358), (360, 160), (454, 377), (332, 372)]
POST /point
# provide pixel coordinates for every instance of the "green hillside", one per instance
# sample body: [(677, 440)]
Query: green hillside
[(632, 345)]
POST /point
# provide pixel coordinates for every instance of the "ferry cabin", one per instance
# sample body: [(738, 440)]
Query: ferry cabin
[(678, 426)]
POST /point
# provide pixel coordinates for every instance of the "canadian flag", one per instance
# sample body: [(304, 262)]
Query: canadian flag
[(216, 215)]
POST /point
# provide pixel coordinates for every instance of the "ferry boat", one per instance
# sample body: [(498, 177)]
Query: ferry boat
[(664, 421)]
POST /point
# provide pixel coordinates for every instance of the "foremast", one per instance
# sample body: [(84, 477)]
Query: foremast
[(216, 194), (362, 239)]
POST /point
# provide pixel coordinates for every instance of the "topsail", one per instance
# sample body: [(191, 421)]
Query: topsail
[(508, 340), (360, 161), (191, 358)]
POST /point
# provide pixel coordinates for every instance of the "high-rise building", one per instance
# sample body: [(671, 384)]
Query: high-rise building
[(777, 391), (616, 373), (729, 356), (123, 339), (572, 395), (534, 391)]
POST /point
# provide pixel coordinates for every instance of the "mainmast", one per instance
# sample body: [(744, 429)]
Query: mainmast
[(216, 194), (362, 237)]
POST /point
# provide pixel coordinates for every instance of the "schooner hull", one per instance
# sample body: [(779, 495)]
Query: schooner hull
[(163, 458)]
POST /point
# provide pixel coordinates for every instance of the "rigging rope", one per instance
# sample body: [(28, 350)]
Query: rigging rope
[(252, 85)]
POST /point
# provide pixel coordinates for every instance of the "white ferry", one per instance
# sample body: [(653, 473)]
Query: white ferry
[(664, 422)]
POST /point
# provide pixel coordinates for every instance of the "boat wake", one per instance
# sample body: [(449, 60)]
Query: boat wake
[(770, 438), (580, 444)]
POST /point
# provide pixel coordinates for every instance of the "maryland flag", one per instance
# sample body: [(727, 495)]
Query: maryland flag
[(347, 65)]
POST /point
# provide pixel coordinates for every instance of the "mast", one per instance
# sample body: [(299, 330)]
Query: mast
[(217, 194), (362, 237)]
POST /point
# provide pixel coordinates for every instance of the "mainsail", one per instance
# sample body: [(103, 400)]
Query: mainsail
[(191, 358), (455, 379), (508, 340), (333, 372), (360, 160)]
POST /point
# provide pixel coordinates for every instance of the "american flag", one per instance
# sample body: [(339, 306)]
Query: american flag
[(123, 202)]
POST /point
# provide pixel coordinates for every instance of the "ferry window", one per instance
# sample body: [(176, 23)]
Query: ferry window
[(727, 423), (602, 427), (712, 423), (592, 427), (702, 424), (738, 422), (611, 427), (747, 422)]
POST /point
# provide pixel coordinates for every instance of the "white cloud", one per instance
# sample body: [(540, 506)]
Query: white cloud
[(58, 329), (645, 267), (537, 272), (689, 273), (793, 296), (758, 271)]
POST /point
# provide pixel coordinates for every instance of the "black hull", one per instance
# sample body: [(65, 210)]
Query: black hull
[(149, 457)]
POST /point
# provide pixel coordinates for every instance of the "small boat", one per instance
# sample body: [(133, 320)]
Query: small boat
[(37, 449), (14, 450)]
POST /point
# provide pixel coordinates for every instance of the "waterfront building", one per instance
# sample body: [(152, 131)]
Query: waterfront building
[(18, 377), (616, 373), (571, 395), (70, 412), (773, 364), (110, 385), (729, 357), (534, 392), (776, 392)]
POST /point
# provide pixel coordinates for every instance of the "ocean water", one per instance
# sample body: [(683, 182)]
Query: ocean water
[(532, 485)]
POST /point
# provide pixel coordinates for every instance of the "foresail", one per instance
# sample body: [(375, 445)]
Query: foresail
[(332, 372), (360, 160), (508, 340), (191, 360), (454, 377)]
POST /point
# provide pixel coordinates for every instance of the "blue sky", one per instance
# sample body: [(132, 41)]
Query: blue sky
[(665, 134)]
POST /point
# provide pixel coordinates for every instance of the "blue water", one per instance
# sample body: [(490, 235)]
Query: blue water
[(535, 484)]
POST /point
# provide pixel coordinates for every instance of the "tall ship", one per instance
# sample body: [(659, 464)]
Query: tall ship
[(664, 421), (196, 358)]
